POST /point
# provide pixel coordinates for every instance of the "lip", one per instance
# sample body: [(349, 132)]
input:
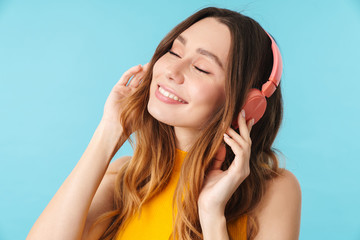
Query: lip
[(166, 99)]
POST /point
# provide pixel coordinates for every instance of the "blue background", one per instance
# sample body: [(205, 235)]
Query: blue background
[(60, 59)]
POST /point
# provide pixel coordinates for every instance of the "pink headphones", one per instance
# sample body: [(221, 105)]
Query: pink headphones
[(255, 104)]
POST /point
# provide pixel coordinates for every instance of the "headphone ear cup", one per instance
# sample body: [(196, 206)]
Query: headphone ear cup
[(255, 106)]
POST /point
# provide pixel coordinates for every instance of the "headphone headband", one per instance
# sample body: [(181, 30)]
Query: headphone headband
[(270, 86)]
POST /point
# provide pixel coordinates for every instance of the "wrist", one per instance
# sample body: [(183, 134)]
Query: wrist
[(214, 227), (208, 209), (207, 216), (109, 134), (110, 123)]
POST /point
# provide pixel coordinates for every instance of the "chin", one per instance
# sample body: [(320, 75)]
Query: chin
[(164, 117), (158, 114)]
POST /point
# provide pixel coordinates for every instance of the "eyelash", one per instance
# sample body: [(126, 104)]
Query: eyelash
[(200, 70)]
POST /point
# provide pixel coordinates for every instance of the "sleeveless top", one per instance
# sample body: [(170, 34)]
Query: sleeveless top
[(155, 220)]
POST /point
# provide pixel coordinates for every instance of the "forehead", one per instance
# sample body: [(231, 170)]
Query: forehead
[(210, 35)]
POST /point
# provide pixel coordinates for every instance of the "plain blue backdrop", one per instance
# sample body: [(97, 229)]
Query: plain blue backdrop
[(60, 59)]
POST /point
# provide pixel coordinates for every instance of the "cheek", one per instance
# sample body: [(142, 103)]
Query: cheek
[(213, 95), (159, 66)]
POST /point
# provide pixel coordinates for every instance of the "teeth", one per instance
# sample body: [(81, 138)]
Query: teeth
[(169, 95)]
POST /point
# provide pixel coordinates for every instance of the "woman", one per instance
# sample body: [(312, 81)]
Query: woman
[(192, 175)]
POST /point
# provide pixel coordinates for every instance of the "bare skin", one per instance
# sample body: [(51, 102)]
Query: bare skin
[(88, 190), (279, 211)]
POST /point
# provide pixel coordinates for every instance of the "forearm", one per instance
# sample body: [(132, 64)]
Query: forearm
[(213, 227), (65, 215)]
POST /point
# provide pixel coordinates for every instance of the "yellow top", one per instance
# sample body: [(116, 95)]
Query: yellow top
[(155, 220)]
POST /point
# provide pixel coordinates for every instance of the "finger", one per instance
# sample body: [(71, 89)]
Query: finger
[(240, 165), (146, 66), (219, 158), (239, 146), (128, 74), (243, 128), (134, 82), (235, 136), (239, 169), (250, 124), (234, 145)]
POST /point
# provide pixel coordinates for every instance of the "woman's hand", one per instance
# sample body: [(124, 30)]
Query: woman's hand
[(121, 90), (220, 185)]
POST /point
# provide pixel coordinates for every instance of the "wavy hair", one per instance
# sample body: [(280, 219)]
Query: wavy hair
[(150, 169)]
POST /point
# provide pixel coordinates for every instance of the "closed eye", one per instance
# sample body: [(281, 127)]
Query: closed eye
[(173, 53), (199, 69)]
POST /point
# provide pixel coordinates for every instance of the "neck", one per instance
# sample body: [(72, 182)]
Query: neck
[(185, 138)]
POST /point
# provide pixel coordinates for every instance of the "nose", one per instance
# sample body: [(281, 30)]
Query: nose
[(175, 71)]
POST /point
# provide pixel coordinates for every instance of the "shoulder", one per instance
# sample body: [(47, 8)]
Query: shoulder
[(285, 184), (278, 213)]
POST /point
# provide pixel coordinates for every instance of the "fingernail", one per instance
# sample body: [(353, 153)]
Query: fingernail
[(252, 121), (243, 113), (226, 136)]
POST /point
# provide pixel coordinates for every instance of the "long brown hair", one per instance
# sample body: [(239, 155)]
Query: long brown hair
[(150, 169)]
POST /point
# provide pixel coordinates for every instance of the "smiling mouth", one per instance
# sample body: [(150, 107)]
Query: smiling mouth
[(170, 95)]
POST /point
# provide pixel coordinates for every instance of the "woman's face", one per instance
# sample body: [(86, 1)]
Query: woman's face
[(188, 83)]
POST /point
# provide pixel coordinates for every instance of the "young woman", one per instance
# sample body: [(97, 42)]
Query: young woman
[(202, 169)]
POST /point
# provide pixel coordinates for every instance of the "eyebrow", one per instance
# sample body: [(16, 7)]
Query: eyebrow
[(203, 52)]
